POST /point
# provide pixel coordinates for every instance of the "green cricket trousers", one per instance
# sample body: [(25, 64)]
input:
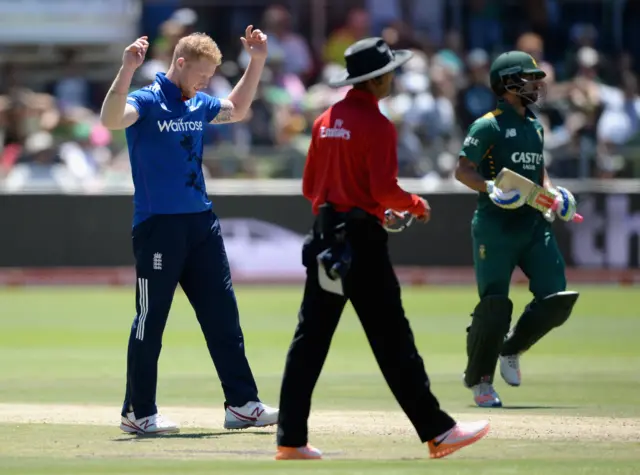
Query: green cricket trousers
[(499, 245)]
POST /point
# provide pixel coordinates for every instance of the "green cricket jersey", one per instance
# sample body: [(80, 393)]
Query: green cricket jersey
[(504, 138)]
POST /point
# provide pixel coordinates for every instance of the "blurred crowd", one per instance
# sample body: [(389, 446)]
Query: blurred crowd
[(591, 113)]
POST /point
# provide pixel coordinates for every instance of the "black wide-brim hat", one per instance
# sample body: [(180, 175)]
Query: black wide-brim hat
[(367, 59)]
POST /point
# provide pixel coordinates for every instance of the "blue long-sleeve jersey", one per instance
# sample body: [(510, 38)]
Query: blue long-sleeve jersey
[(165, 149)]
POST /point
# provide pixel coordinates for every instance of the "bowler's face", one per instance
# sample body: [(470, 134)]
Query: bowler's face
[(196, 75)]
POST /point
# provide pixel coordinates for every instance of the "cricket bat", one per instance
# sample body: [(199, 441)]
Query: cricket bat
[(536, 196)]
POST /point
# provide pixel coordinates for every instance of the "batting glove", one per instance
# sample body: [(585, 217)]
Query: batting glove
[(567, 205), (549, 215), (511, 199)]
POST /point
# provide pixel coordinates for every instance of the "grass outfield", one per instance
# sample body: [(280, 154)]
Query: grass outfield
[(62, 361)]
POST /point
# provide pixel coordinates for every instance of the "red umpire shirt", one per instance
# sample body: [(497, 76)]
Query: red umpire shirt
[(353, 162)]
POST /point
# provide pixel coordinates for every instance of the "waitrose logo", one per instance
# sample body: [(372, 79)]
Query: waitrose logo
[(179, 126)]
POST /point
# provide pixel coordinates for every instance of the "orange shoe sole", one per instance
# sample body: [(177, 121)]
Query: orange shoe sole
[(448, 449), (290, 453)]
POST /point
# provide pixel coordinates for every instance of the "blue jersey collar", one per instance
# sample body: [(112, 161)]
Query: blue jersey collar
[(170, 90)]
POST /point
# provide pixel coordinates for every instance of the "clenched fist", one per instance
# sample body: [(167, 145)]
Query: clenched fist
[(426, 216)]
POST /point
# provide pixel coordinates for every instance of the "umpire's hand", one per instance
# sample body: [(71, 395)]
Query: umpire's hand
[(424, 218)]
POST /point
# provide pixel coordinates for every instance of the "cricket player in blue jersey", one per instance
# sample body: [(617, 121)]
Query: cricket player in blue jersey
[(176, 235)]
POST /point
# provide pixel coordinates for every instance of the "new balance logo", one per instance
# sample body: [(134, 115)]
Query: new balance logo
[(335, 132), (164, 107), (157, 261), (257, 412), (179, 126), (144, 425), (510, 133), (193, 108)]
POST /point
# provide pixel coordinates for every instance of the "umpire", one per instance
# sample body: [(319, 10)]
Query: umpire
[(350, 179)]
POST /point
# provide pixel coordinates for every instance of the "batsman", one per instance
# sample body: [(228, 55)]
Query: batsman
[(507, 233)]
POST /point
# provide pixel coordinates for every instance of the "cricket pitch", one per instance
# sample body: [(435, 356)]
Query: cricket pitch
[(352, 423)]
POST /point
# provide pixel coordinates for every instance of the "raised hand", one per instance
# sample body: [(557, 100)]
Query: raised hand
[(134, 54), (255, 43)]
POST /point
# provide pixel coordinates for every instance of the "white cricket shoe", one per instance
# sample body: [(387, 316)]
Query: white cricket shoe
[(252, 414), (150, 425), (485, 396), (510, 369)]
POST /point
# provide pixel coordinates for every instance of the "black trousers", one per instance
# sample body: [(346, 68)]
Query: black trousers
[(185, 249), (373, 289)]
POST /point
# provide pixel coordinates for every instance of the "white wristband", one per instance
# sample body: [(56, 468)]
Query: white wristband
[(490, 186)]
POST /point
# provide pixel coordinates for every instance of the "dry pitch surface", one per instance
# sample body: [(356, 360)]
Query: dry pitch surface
[(348, 423)]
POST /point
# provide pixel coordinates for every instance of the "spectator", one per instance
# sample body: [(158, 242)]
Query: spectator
[(580, 35), (181, 23), (22, 113), (619, 123), (426, 18), (72, 89), (440, 118), (159, 58), (452, 52), (408, 109), (384, 13), (187, 18), (400, 35), (41, 167), (587, 62), (590, 115), (85, 154), (356, 27), (285, 43), (485, 25), (477, 98), (533, 44)]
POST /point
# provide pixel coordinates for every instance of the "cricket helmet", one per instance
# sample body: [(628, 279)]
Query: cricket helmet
[(512, 71)]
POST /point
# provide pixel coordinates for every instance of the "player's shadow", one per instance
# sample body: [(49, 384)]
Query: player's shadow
[(525, 407), (188, 435), (535, 407)]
